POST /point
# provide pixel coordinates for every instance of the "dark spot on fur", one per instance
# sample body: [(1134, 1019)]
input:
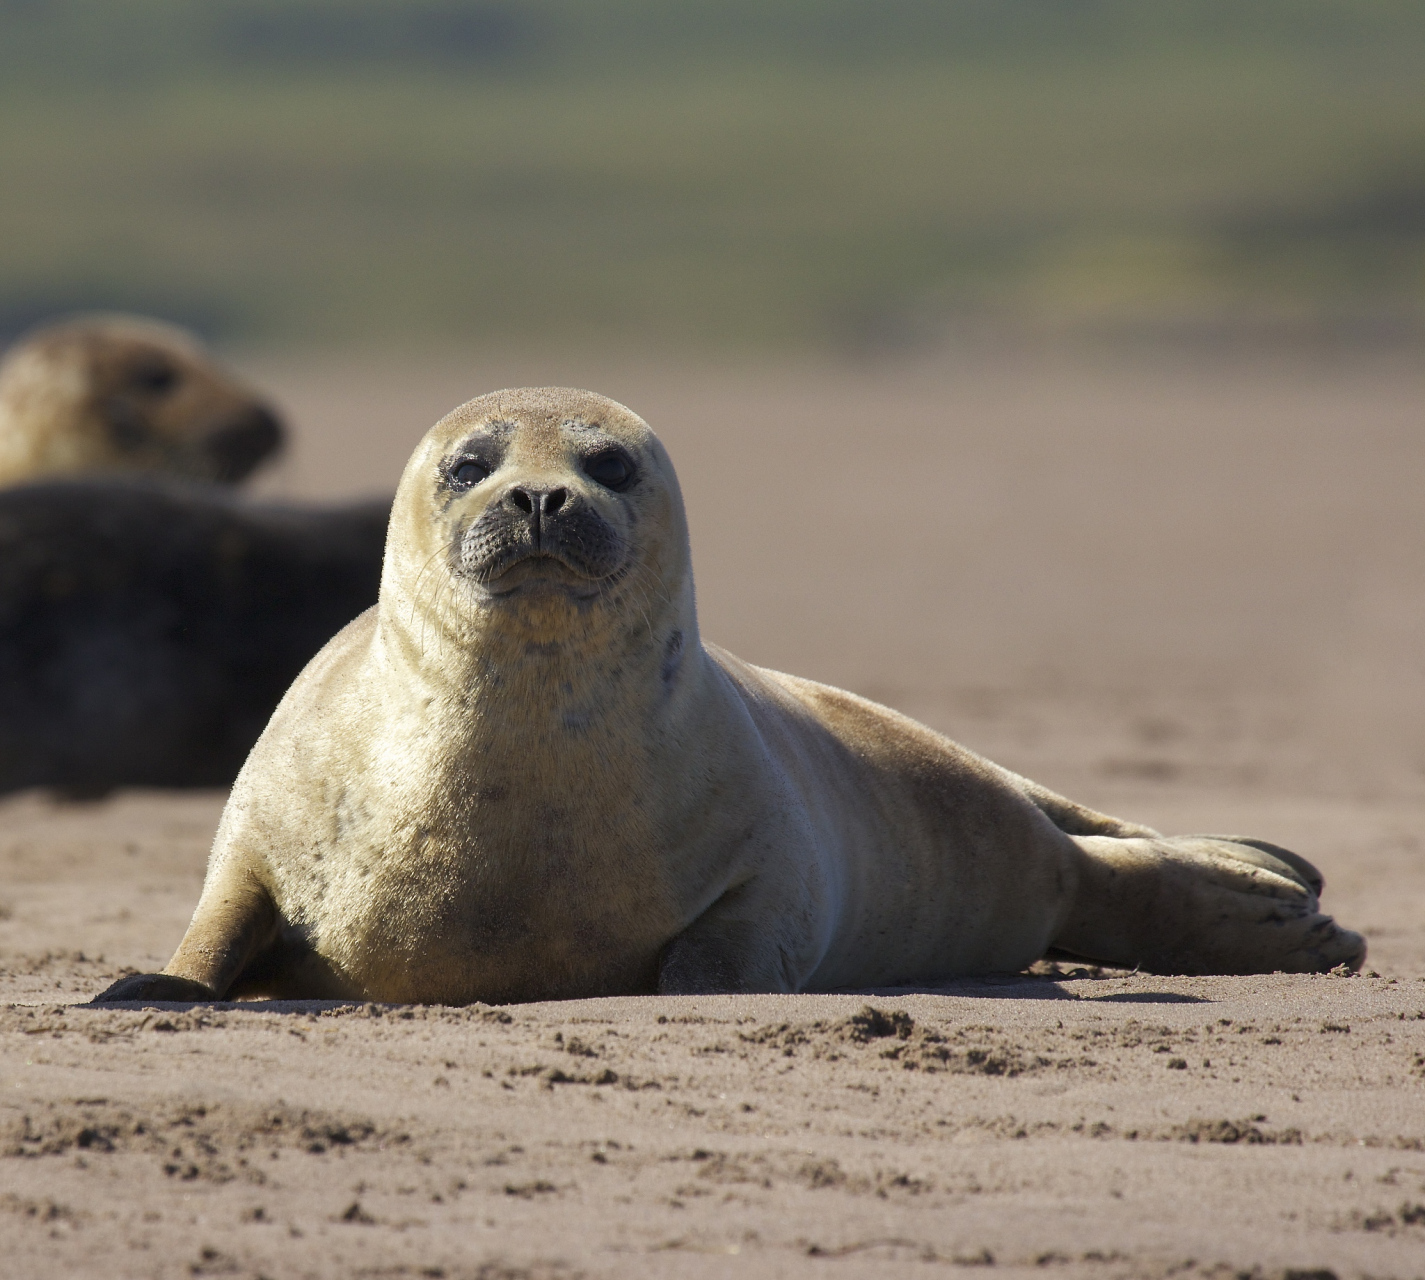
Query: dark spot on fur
[(672, 657)]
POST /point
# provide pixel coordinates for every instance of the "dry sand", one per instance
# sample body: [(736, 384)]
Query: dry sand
[(1189, 593)]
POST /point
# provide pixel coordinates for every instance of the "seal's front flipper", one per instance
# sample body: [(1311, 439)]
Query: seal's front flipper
[(155, 986), (1202, 904), (234, 922), (740, 943)]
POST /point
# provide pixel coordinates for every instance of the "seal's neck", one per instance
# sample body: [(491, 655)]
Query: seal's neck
[(548, 675), (43, 424)]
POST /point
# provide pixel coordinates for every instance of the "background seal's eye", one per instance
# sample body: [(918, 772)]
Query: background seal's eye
[(468, 472), (613, 468)]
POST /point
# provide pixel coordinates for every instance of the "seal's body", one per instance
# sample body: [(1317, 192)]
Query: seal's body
[(523, 776), (123, 394), (148, 629)]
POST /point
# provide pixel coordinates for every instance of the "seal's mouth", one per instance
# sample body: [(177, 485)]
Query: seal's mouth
[(540, 573), (225, 452)]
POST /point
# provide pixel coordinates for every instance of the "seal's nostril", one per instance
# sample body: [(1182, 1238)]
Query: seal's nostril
[(554, 500), (521, 499)]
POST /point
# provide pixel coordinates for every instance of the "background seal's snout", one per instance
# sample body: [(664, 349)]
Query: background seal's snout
[(236, 448), (536, 506)]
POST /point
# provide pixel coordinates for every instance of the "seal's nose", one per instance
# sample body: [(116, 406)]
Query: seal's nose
[(236, 447), (536, 504), (544, 501)]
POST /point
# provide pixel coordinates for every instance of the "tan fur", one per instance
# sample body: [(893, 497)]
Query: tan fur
[(125, 394), (562, 792)]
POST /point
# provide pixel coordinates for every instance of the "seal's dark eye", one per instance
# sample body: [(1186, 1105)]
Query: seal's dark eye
[(468, 471), (157, 377), (613, 468)]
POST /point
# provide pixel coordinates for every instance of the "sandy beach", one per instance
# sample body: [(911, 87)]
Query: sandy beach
[(1185, 591)]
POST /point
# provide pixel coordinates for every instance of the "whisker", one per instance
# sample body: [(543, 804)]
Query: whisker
[(437, 582), (416, 585)]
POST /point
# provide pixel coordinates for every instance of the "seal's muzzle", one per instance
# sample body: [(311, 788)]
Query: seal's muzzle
[(555, 522)]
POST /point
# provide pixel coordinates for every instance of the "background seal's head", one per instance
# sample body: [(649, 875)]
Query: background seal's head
[(126, 394), (547, 514)]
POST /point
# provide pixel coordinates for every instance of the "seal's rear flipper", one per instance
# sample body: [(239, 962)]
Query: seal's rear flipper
[(1305, 871), (1202, 904)]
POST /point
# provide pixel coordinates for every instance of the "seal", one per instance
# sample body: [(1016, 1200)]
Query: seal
[(126, 394), (523, 776), (148, 628)]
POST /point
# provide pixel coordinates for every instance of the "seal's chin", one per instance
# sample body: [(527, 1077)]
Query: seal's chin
[(541, 574)]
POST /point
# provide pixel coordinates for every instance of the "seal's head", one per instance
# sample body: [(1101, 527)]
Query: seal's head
[(545, 514), (122, 393)]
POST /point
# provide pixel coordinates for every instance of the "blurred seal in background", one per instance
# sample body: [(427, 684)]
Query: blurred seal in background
[(149, 628), (127, 394)]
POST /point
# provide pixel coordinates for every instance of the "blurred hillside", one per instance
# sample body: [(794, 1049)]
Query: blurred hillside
[(771, 172)]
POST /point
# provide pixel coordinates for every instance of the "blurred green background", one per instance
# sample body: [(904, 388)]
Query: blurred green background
[(769, 173)]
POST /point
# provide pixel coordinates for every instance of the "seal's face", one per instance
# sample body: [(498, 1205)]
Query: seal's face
[(541, 509), (126, 394), (162, 405), (547, 506)]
